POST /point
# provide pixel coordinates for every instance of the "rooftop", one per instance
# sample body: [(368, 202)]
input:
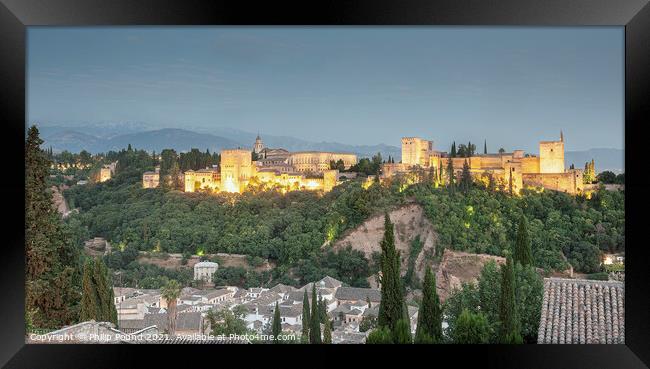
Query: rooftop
[(355, 293), (582, 311)]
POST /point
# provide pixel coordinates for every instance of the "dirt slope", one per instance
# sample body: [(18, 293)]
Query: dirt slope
[(458, 267), (409, 222)]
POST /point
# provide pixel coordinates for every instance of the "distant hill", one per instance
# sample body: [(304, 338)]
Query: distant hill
[(97, 138), (604, 159), (171, 138), (101, 137)]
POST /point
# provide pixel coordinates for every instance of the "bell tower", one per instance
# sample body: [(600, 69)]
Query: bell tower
[(259, 145)]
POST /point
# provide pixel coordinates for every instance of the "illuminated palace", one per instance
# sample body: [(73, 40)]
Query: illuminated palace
[(509, 169), (308, 170)]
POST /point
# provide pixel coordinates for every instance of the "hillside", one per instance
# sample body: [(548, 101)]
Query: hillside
[(154, 140), (409, 221)]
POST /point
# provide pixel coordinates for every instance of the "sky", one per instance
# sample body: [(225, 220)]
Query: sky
[(511, 86)]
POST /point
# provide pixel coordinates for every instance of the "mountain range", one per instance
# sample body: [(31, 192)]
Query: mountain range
[(103, 137)]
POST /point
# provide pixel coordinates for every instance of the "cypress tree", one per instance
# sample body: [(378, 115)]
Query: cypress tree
[(276, 326), (314, 330), (90, 309), (466, 178), (306, 320), (327, 333), (402, 332), (485, 147), (523, 253), (52, 270), (104, 292), (509, 323), (429, 328), (322, 309), (453, 150), (391, 307), (450, 174)]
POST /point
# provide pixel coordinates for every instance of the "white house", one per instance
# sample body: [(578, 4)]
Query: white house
[(203, 270)]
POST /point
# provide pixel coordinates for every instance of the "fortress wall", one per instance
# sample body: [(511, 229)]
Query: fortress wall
[(569, 182), (530, 164)]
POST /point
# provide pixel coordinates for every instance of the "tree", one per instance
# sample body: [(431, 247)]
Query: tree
[(489, 291), (466, 178), (89, 305), (451, 176), (327, 332), (226, 322), (322, 309), (502, 150), (606, 177), (523, 253), (52, 271), (170, 292), (429, 328), (380, 335), (367, 323), (277, 324), (306, 320), (453, 150), (314, 329), (402, 332), (391, 307), (97, 294), (589, 175), (104, 291), (471, 328), (485, 147), (509, 322)]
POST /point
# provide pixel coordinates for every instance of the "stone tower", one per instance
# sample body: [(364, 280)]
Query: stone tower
[(259, 145), (551, 156), (416, 151)]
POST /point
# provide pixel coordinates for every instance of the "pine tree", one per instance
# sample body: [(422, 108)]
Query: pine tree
[(509, 323), (52, 270), (522, 253), (327, 333), (314, 329), (276, 326), (306, 320), (391, 307), (429, 328)]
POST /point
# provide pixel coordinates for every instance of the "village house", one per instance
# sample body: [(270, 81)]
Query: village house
[(356, 294), (187, 323)]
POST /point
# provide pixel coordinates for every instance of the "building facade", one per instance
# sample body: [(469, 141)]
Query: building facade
[(309, 170), (510, 170)]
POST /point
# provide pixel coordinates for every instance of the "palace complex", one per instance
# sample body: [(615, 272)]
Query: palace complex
[(515, 169), (311, 170), (308, 170)]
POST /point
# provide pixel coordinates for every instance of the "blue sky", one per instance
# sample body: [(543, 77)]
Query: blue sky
[(512, 86)]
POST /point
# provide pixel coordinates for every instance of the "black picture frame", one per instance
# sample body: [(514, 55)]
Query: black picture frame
[(16, 15)]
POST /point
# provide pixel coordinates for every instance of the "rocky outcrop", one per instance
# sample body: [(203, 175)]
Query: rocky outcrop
[(409, 221)]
